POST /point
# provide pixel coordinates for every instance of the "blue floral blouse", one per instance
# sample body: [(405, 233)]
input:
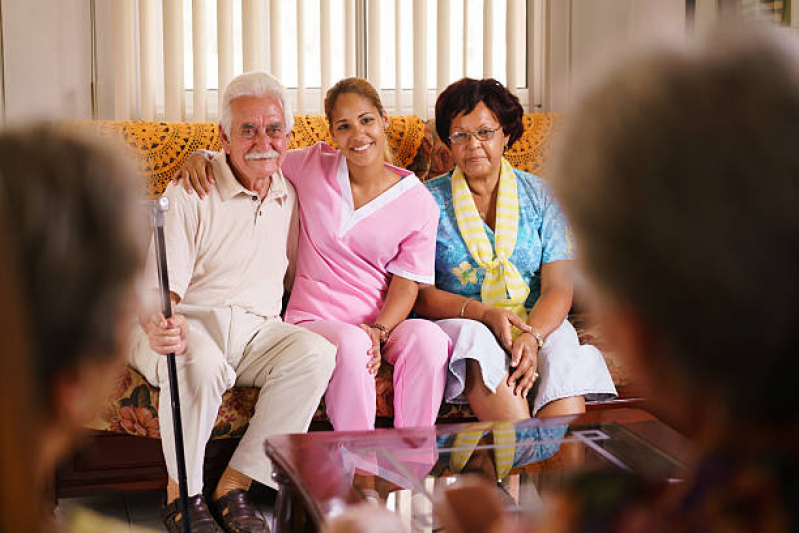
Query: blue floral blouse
[(543, 237)]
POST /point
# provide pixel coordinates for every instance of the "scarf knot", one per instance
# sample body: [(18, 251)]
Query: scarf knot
[(503, 285)]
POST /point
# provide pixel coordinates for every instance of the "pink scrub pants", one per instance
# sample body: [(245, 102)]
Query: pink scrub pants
[(418, 350)]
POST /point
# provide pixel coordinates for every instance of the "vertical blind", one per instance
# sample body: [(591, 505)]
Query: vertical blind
[(171, 57)]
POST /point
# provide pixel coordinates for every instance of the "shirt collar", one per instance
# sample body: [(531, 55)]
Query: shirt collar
[(230, 187)]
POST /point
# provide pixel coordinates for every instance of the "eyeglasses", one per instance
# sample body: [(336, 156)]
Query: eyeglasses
[(249, 131), (483, 134)]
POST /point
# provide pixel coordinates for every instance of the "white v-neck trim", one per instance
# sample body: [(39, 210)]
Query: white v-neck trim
[(351, 216)]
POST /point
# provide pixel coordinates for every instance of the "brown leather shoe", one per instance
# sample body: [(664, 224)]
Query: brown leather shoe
[(236, 513), (199, 515)]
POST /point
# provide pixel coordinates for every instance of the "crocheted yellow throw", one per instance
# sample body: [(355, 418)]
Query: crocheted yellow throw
[(503, 285)]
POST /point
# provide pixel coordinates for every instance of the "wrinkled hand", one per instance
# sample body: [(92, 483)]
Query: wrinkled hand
[(166, 335), (197, 174), (374, 362), (524, 359), (500, 321)]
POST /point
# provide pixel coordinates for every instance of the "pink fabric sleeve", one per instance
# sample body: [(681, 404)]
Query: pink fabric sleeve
[(291, 245), (294, 164), (417, 252)]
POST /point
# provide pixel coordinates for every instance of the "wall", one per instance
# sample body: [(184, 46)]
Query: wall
[(47, 59), (587, 37)]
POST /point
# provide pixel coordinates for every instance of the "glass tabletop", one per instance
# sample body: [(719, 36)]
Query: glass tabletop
[(404, 469)]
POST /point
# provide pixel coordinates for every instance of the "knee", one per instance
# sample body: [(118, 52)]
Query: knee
[(431, 345), (353, 351), (206, 374), (319, 355)]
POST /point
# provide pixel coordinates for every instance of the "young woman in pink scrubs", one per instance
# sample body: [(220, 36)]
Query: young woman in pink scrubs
[(367, 240)]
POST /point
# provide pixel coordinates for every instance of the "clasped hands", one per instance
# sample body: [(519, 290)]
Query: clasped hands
[(523, 349)]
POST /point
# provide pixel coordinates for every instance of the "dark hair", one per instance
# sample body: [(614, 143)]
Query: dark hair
[(362, 88), (464, 95), (680, 176), (358, 86), (74, 216)]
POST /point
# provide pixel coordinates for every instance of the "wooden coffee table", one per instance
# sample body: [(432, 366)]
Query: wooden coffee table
[(407, 467)]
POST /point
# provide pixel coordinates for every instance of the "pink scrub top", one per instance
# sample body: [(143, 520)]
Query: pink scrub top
[(346, 256)]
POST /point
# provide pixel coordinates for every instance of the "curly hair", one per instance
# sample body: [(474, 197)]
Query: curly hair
[(463, 96)]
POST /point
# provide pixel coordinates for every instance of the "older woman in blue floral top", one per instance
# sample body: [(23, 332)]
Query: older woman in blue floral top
[(503, 283)]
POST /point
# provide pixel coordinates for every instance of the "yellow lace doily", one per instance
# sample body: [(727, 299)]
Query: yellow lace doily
[(532, 151)]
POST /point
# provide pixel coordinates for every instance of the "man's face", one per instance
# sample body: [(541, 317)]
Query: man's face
[(257, 140)]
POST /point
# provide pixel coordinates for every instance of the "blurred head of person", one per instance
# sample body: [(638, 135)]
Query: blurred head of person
[(680, 176), (18, 487), (75, 236)]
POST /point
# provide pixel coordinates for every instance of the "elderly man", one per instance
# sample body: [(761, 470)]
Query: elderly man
[(228, 257)]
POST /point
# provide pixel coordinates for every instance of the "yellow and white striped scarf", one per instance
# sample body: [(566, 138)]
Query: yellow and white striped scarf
[(504, 436), (503, 285)]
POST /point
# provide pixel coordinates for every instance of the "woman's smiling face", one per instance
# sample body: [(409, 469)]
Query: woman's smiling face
[(358, 128)]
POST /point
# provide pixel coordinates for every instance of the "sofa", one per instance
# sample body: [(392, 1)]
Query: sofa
[(122, 450)]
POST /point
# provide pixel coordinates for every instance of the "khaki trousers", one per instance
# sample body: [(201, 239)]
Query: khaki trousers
[(227, 347)]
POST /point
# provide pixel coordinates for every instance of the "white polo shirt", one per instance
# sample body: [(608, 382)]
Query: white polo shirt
[(231, 248)]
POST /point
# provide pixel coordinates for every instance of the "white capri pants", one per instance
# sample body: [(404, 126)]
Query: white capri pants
[(565, 367)]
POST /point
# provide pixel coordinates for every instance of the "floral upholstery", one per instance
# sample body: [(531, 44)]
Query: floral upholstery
[(133, 407), (159, 148)]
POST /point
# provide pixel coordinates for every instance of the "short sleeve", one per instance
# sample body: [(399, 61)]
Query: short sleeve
[(556, 237), (292, 165), (417, 252)]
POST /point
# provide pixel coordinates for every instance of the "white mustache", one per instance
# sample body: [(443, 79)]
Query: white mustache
[(271, 154)]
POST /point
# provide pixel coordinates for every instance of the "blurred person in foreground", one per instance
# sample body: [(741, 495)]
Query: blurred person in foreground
[(680, 176), (73, 242)]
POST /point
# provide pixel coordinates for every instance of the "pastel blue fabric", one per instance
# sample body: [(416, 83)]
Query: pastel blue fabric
[(533, 444), (543, 237), (565, 367)]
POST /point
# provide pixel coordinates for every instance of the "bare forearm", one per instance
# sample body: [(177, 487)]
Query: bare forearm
[(437, 304), (399, 302), (550, 310)]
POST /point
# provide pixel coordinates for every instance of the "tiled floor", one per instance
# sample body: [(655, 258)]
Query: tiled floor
[(143, 509)]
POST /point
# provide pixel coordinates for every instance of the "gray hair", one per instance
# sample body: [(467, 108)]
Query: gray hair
[(254, 84), (680, 177)]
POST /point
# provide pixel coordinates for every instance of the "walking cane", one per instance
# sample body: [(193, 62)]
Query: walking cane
[(160, 206)]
